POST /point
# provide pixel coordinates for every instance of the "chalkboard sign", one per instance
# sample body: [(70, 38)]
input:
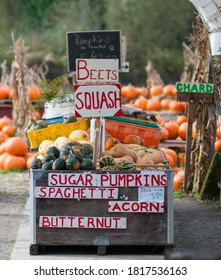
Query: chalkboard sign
[(93, 45)]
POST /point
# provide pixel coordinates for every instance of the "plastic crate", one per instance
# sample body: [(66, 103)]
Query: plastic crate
[(120, 130), (54, 131)]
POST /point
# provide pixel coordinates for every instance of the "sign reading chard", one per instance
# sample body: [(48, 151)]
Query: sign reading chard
[(190, 87)]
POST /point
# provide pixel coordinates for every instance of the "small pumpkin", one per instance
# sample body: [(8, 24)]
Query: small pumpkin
[(36, 163), (16, 146), (72, 163), (44, 146), (106, 160), (14, 162), (58, 164), (110, 143), (61, 141), (47, 165), (87, 164), (53, 150), (48, 158), (78, 134)]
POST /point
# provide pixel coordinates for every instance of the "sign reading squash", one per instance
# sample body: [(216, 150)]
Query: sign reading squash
[(97, 100)]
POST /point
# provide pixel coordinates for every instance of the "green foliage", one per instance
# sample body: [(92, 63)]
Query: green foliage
[(155, 30)]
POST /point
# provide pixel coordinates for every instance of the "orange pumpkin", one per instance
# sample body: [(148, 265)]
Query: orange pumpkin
[(171, 153), (170, 160), (29, 161), (129, 92), (141, 91), (4, 121), (180, 119), (168, 89), (176, 106), (9, 129), (177, 183), (172, 128), (110, 143), (165, 103), (217, 146), (141, 102), (3, 156), (16, 146), (156, 90), (133, 139), (153, 104), (14, 162), (182, 131), (4, 91), (218, 132), (34, 92), (3, 137), (165, 134)]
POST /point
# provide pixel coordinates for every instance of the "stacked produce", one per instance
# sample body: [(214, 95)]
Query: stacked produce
[(66, 153)]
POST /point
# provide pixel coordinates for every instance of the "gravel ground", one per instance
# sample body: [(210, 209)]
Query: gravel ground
[(197, 225)]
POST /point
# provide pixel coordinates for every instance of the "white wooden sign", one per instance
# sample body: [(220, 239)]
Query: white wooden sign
[(154, 194), (78, 192), (135, 206), (97, 100), (82, 222), (97, 70)]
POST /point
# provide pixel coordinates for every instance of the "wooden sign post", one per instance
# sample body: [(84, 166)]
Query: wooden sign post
[(194, 94)]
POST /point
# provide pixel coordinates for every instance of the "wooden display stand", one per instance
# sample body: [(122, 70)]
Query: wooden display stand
[(66, 210)]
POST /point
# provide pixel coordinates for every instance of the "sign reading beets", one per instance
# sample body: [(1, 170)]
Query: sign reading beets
[(93, 45)]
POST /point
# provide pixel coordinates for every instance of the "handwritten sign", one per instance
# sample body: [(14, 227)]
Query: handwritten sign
[(82, 222), (155, 194), (78, 193), (97, 70), (97, 100), (93, 45), (136, 206)]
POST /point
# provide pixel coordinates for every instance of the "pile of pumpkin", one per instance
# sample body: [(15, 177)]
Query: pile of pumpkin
[(13, 150), (7, 92), (156, 99), (65, 153)]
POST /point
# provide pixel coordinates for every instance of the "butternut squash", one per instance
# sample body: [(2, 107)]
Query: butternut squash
[(120, 150)]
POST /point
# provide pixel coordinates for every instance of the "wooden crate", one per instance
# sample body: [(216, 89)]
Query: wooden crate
[(80, 213)]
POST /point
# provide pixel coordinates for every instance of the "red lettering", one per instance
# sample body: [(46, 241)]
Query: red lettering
[(155, 206), (138, 181), (135, 207), (45, 222), (155, 180), (80, 220), (81, 66), (144, 206), (116, 207), (53, 181), (88, 180), (90, 222), (163, 180), (103, 178), (78, 97), (124, 208), (71, 219), (42, 192), (146, 180), (110, 193), (51, 191)]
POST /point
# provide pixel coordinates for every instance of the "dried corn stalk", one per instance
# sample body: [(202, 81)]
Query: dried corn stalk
[(153, 77), (202, 146)]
